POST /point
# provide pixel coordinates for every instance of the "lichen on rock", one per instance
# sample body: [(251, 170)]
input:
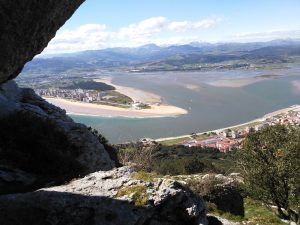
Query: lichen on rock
[(107, 197)]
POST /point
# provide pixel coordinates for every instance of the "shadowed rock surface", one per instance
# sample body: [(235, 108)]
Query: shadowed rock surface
[(223, 191), (110, 197), (225, 194), (99, 198), (89, 153), (26, 27)]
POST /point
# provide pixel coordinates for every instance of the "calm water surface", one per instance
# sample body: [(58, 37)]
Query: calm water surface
[(209, 107)]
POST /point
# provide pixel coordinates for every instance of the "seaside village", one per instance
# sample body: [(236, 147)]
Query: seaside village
[(87, 96), (230, 139)]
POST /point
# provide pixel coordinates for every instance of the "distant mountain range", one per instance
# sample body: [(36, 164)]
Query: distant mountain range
[(176, 57)]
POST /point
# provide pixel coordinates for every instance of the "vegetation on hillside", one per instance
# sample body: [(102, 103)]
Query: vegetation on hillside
[(270, 166), (269, 163), (91, 85), (175, 160)]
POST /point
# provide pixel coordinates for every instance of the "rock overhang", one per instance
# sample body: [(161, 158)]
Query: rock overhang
[(26, 27)]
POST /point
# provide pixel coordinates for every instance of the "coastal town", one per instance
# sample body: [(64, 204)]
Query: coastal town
[(229, 139), (92, 96)]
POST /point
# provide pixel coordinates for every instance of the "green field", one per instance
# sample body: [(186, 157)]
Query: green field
[(175, 141)]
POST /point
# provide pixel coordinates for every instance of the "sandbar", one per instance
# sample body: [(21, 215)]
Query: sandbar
[(234, 83), (136, 95), (90, 109)]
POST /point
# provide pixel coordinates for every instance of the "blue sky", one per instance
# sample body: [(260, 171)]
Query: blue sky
[(129, 23)]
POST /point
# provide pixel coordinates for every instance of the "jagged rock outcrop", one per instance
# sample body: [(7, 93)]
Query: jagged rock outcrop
[(106, 198), (110, 197), (225, 193), (92, 156), (222, 191), (26, 27)]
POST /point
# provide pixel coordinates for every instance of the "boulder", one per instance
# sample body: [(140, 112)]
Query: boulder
[(107, 198), (223, 191), (92, 155)]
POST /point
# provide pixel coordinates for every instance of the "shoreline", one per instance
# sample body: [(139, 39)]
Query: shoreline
[(271, 114), (135, 94), (90, 109)]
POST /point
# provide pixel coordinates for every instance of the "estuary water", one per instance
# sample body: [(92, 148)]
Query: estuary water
[(210, 107)]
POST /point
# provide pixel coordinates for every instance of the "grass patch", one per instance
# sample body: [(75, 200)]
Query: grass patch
[(144, 176), (256, 213), (139, 194), (253, 124), (212, 208), (174, 141)]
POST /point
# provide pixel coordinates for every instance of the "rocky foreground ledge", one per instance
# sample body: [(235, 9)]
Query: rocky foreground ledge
[(111, 197)]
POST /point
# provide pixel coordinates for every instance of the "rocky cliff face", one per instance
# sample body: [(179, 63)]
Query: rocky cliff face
[(111, 197), (26, 27), (92, 155)]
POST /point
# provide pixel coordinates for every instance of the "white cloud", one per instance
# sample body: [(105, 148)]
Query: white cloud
[(181, 26), (207, 23), (266, 36), (176, 40), (143, 29), (89, 36), (151, 30)]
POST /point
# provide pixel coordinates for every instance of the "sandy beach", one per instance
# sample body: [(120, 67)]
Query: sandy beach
[(158, 109), (234, 82), (89, 109), (136, 95)]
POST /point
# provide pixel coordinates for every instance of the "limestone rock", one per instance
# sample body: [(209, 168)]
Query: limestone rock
[(93, 156), (26, 27), (9, 95), (96, 199), (14, 180), (223, 191)]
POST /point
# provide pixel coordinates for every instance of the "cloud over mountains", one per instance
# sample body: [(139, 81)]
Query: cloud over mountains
[(158, 30), (97, 36)]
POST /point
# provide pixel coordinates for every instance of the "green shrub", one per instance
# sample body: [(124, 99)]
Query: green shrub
[(270, 164)]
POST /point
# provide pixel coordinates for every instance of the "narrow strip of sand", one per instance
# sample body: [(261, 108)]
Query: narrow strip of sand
[(136, 95), (89, 109), (271, 114), (234, 83)]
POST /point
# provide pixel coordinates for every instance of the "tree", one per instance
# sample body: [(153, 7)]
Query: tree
[(139, 157), (270, 164)]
